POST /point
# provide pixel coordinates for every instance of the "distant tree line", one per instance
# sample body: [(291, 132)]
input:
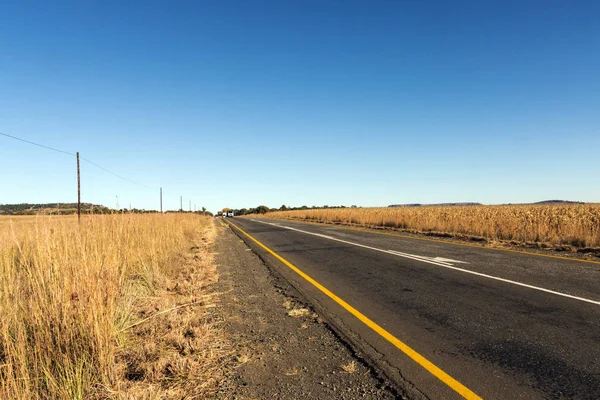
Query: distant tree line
[(51, 209), (71, 208), (190, 212), (264, 209)]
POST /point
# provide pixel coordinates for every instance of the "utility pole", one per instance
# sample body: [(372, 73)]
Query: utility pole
[(78, 191), (161, 200), (190, 206), (181, 203)]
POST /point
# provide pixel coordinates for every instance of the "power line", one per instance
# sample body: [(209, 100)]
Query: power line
[(110, 172), (37, 144), (72, 154)]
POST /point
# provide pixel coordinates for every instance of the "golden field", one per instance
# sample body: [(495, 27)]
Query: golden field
[(112, 308), (576, 225)]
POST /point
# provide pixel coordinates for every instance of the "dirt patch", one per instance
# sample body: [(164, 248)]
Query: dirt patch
[(282, 348)]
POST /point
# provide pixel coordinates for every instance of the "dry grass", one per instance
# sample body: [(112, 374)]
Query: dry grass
[(298, 312), (576, 225), (114, 308), (288, 303), (292, 371), (243, 358), (349, 368)]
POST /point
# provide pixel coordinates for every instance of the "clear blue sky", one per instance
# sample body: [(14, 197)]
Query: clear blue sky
[(236, 104)]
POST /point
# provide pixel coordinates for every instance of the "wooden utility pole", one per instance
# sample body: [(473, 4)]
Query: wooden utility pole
[(78, 191), (161, 200)]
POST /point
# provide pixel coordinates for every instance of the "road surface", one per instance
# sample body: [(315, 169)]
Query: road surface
[(464, 321)]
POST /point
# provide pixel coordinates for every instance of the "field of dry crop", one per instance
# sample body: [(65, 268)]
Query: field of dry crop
[(112, 309), (565, 225)]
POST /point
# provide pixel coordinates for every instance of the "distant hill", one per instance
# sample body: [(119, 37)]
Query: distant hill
[(545, 202), (51, 209), (433, 205), (559, 202)]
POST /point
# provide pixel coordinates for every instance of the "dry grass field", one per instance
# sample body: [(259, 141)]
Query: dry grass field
[(115, 308), (565, 226)]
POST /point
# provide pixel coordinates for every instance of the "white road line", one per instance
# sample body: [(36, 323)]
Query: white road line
[(442, 260), (436, 261)]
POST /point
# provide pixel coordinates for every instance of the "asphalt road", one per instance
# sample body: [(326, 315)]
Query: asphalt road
[(489, 332)]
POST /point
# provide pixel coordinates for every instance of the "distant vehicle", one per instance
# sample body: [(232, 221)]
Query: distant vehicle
[(230, 213)]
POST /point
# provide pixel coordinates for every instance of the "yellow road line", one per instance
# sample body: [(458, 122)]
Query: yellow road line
[(418, 358), (367, 230)]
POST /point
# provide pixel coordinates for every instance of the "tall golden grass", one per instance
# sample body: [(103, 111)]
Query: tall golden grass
[(70, 297), (576, 225)]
